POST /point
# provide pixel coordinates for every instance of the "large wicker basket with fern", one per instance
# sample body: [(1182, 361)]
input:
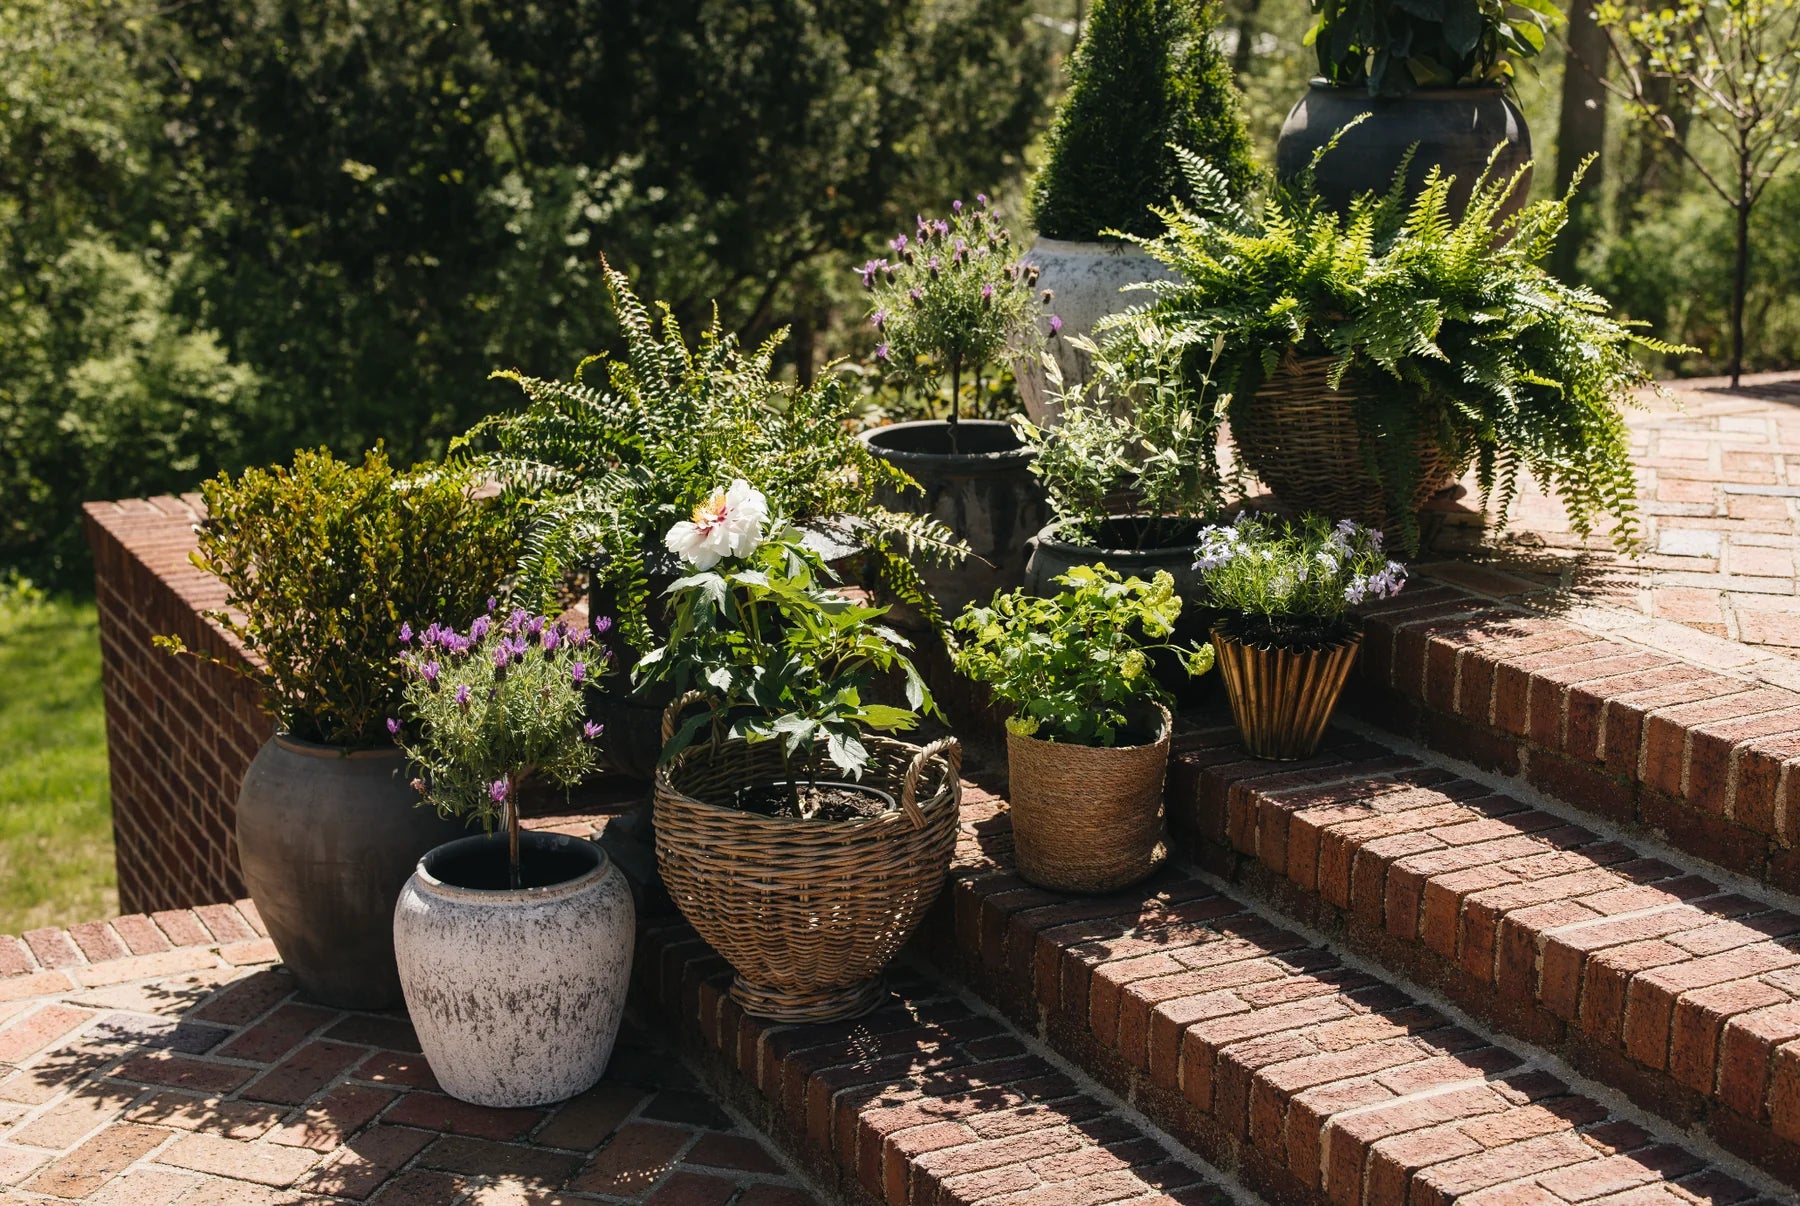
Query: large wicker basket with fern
[(807, 912), (1301, 438)]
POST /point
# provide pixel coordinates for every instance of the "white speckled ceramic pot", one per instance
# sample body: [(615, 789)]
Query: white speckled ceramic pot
[(516, 994), (1085, 280)]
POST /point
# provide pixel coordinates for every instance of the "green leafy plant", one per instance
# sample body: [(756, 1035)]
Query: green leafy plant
[(780, 652), (484, 713), (323, 560), (1146, 74), (1391, 47), (1076, 668), (1290, 583), (1464, 337), (604, 468), (1152, 458), (951, 301)]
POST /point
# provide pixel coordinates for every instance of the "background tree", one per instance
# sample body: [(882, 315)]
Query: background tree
[(1581, 133), (1734, 67), (1146, 73)]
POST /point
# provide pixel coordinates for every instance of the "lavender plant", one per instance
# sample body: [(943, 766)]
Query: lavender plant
[(1291, 584), (951, 300), (484, 712)]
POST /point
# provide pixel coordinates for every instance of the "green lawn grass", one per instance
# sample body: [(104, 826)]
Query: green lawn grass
[(56, 850)]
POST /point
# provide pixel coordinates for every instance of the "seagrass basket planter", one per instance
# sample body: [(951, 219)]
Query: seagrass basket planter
[(807, 912), (1282, 699), (1301, 438), (1087, 818)]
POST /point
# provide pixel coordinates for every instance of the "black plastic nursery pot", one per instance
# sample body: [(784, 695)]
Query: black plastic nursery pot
[(1454, 128), (984, 491)]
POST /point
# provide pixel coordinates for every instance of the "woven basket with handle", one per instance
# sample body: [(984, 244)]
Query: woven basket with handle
[(1301, 438), (807, 912)]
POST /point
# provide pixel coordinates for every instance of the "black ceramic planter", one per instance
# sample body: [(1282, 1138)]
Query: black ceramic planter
[(1455, 129), (984, 492), (327, 838)]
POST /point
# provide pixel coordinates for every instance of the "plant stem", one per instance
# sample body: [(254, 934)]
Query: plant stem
[(512, 831), (955, 400)]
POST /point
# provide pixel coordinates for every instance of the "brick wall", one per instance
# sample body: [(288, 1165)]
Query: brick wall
[(179, 731)]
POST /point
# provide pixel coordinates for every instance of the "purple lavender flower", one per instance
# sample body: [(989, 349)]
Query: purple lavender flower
[(881, 352), (957, 206), (502, 655), (550, 639), (492, 603), (406, 634), (878, 319), (579, 637), (915, 294), (1055, 324), (498, 791), (462, 695), (982, 198), (536, 625), (430, 673), (578, 671), (480, 627), (517, 619), (393, 727), (897, 243), (987, 292), (603, 625), (592, 731)]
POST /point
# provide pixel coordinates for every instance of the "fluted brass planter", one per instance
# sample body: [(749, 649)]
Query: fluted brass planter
[(1281, 699)]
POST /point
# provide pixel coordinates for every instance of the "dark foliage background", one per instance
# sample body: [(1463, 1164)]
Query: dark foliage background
[(234, 227)]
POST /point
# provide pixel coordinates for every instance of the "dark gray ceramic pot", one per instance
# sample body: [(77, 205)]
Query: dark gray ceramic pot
[(984, 492), (1455, 128), (327, 838)]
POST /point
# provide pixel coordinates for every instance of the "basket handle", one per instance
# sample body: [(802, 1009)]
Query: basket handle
[(951, 749), (671, 716)]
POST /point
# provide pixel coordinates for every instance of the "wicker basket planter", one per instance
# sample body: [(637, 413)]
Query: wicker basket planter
[(1302, 439), (808, 913), (1087, 818), (1282, 699)]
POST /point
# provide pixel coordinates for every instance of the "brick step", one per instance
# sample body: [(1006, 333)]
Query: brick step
[(1659, 982), (1270, 1056), (927, 1101), (1704, 754)]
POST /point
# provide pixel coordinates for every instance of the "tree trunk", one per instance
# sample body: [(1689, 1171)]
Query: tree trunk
[(1246, 33), (1740, 286), (1581, 131)]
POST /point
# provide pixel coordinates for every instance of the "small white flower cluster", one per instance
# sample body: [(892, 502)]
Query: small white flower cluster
[(1303, 567), (729, 524)]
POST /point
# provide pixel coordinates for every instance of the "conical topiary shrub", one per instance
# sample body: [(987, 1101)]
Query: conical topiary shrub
[(1147, 73)]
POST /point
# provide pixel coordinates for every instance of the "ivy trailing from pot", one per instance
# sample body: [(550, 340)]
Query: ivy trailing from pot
[(1088, 739), (800, 841), (1370, 355), (514, 948), (1285, 637), (322, 560), (604, 463)]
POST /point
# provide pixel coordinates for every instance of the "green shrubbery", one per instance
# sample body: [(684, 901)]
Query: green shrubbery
[(1146, 74)]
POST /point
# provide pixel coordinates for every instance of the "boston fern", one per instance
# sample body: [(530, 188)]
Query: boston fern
[(1462, 336), (607, 466)]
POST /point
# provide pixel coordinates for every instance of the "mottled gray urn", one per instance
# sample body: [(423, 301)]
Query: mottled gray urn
[(1086, 282), (516, 994)]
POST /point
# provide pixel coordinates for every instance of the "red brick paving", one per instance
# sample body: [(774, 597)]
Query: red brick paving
[(199, 1081), (1719, 484)]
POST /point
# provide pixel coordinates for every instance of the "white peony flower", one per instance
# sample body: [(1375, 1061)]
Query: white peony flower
[(729, 524)]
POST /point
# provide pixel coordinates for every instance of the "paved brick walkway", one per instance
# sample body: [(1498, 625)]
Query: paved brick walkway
[(1719, 476), (158, 1060)]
